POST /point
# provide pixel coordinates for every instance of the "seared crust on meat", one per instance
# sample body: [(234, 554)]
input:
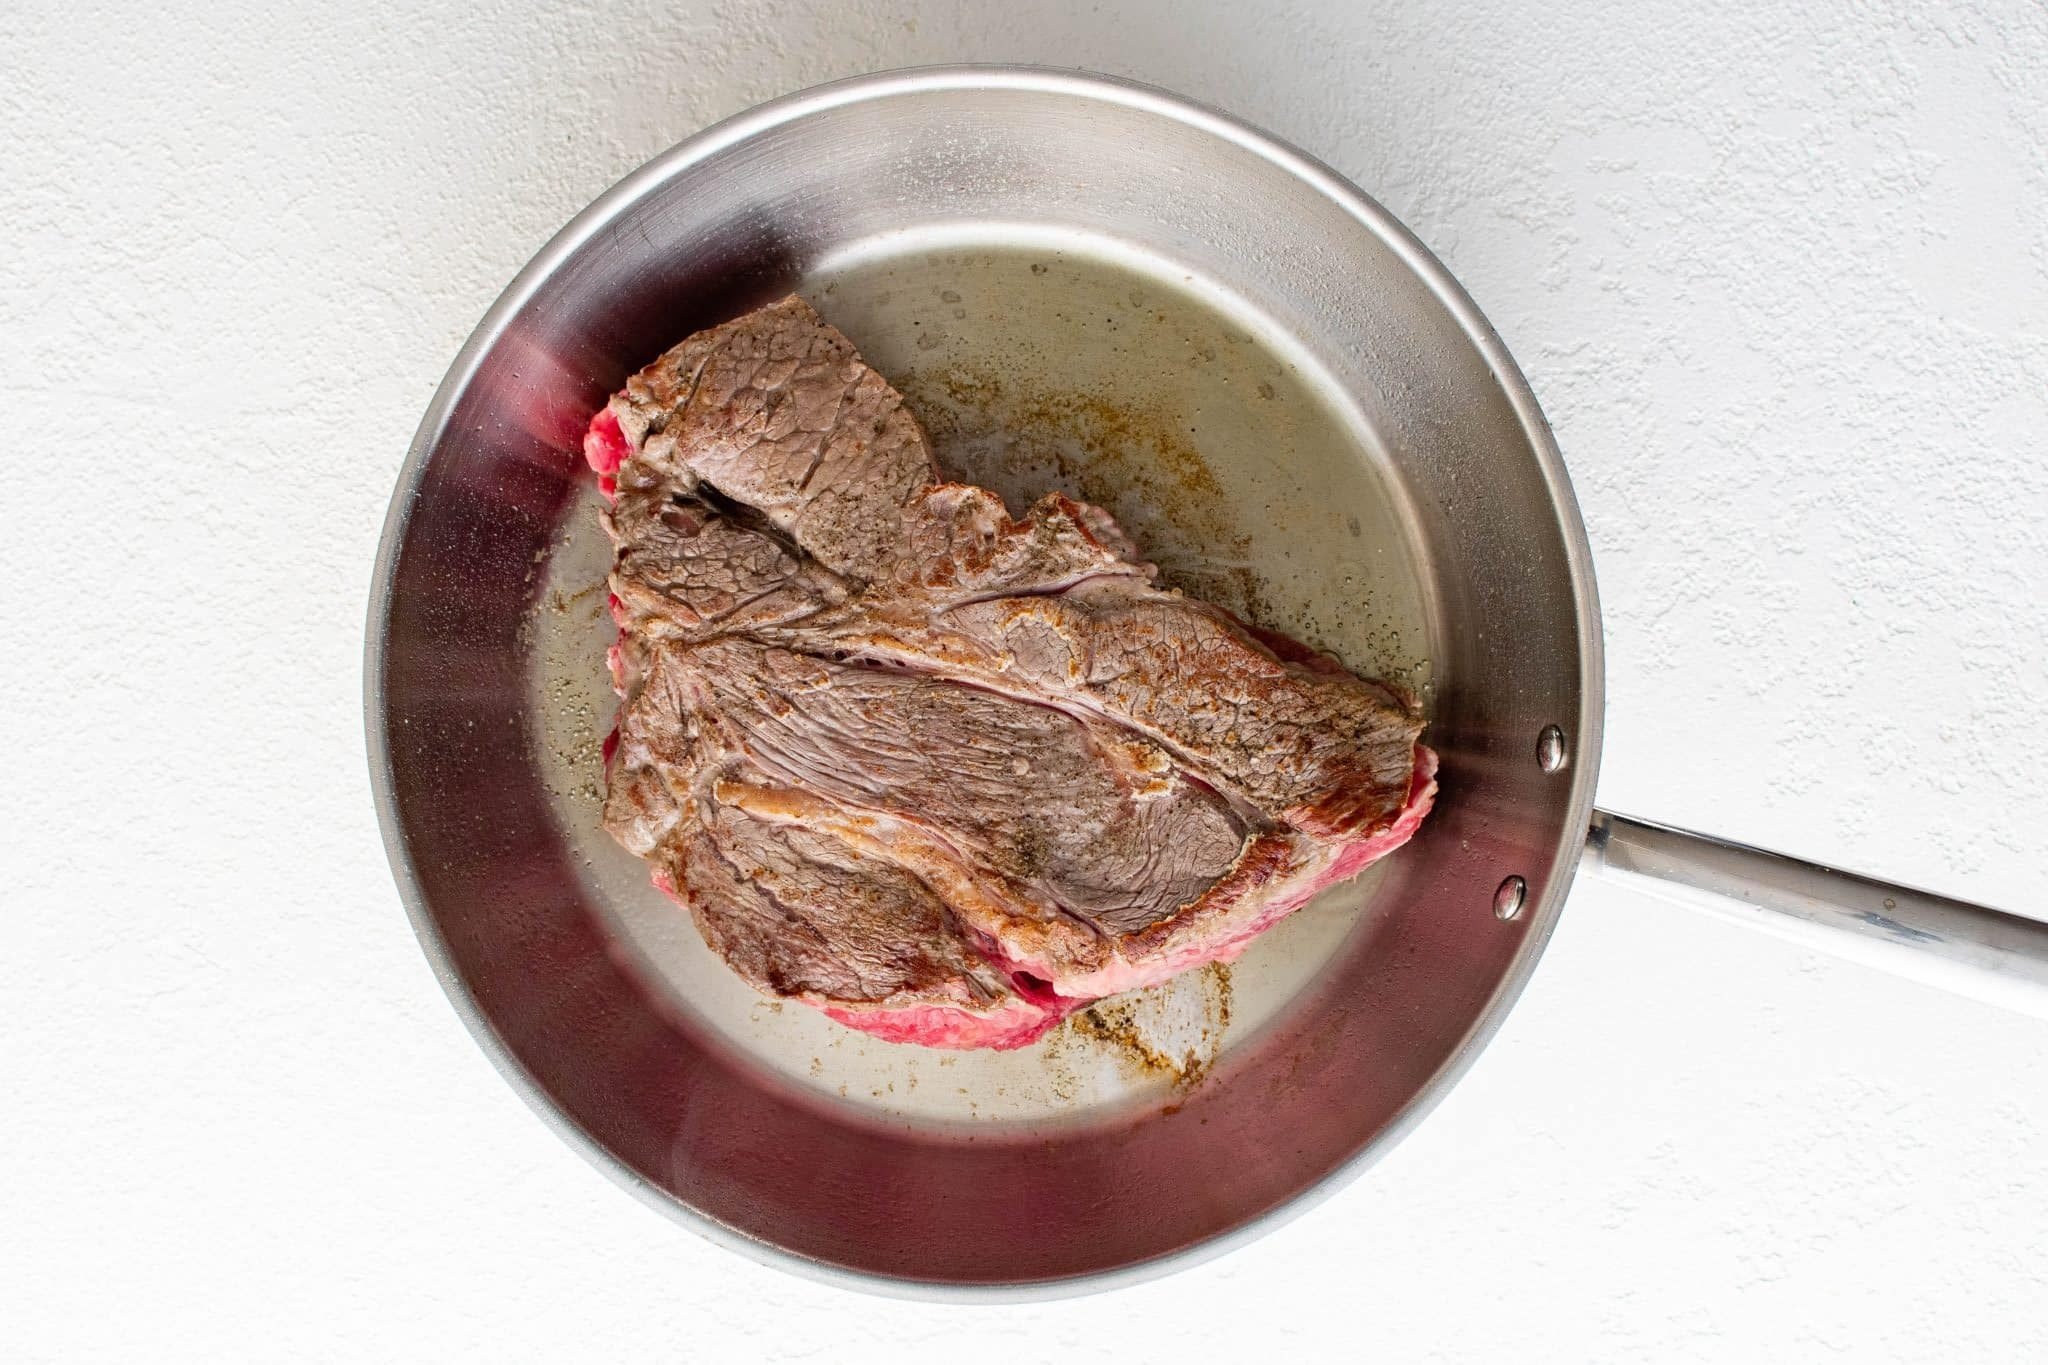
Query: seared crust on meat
[(944, 773)]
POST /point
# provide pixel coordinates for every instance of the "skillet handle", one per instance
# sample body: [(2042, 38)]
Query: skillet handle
[(1973, 950)]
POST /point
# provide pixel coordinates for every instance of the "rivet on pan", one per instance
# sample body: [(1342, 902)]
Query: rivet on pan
[(1550, 748), (1507, 902)]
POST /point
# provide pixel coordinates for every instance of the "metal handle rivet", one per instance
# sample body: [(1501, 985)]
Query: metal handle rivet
[(1507, 902)]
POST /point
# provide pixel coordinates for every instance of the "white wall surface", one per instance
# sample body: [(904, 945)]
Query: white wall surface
[(1779, 274)]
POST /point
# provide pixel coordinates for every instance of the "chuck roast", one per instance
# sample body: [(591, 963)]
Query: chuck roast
[(946, 775)]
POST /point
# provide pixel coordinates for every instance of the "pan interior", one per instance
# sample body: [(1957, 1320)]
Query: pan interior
[(1041, 360)]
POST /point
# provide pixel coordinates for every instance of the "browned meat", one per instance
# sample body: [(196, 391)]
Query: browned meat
[(945, 774)]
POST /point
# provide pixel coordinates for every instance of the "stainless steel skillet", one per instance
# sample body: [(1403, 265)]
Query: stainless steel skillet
[(1293, 408)]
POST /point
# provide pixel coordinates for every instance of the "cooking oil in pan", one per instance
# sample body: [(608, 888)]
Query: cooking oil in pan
[(1037, 363)]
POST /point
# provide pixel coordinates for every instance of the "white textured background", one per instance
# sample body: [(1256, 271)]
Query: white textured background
[(1778, 272)]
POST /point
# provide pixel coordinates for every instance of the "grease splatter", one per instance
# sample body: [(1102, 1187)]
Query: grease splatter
[(1172, 1032)]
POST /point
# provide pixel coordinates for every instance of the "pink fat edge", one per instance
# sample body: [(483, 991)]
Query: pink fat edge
[(1351, 859), (605, 448), (604, 443), (1017, 1024)]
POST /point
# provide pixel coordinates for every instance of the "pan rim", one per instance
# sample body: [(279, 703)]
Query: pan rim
[(710, 142)]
